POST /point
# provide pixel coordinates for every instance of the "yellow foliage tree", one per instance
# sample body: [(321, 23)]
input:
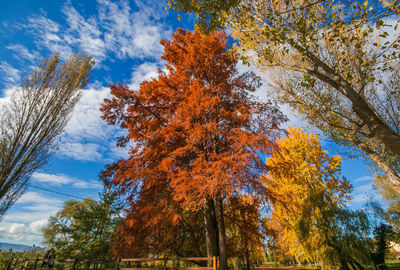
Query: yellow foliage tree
[(306, 191)]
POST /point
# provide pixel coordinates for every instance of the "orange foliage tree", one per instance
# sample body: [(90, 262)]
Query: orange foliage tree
[(198, 134)]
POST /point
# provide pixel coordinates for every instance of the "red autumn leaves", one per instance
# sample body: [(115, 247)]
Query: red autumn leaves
[(198, 134)]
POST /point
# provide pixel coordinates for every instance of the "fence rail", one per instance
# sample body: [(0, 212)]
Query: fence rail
[(115, 264)]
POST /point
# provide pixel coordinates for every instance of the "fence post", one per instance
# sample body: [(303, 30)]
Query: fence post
[(214, 263), (165, 263), (9, 263), (25, 264)]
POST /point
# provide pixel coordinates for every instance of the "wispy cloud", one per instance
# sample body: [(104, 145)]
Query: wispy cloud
[(49, 34), (87, 137), (116, 31), (30, 215), (33, 206), (132, 34), (35, 198), (85, 123), (22, 53), (84, 34), (9, 75), (80, 151)]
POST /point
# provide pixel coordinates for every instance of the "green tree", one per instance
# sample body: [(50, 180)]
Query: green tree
[(332, 61), (84, 229), (382, 236), (33, 117)]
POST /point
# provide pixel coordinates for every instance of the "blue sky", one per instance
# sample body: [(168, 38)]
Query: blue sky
[(123, 37)]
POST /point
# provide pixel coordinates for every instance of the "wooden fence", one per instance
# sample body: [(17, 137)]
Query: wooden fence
[(116, 264)]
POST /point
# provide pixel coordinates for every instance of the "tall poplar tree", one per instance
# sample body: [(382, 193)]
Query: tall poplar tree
[(33, 117)]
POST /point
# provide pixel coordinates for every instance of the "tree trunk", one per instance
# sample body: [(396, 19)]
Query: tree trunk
[(211, 228), (391, 174), (342, 259), (219, 211), (343, 263), (236, 264), (357, 264), (247, 259), (376, 125)]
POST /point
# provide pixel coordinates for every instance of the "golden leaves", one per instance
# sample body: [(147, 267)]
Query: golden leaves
[(300, 173)]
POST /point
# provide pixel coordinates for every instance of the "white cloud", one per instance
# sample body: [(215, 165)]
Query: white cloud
[(363, 193), (31, 197), (85, 122), (36, 226), (80, 151), (86, 133), (31, 232), (47, 34), (87, 137), (131, 34), (17, 228), (120, 30), (366, 178), (52, 179), (61, 179), (5, 95), (264, 93), (84, 34), (31, 207), (88, 184), (145, 71)]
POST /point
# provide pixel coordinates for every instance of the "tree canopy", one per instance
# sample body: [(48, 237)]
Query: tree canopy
[(198, 133)]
